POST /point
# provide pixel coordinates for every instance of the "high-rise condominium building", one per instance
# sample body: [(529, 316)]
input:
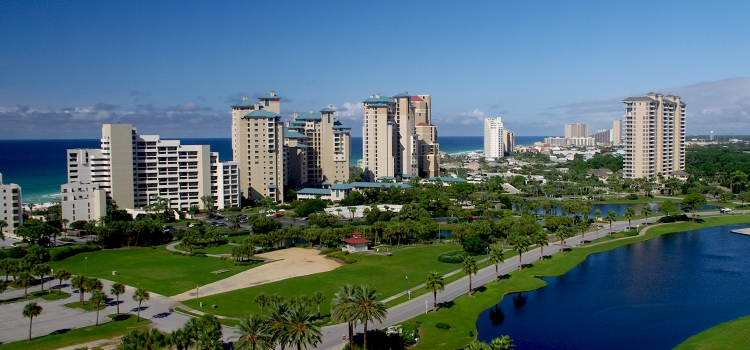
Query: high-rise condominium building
[(509, 141), (494, 142), (602, 136), (576, 130), (134, 169), (398, 138), (317, 149), (617, 132), (11, 207), (654, 135), (258, 147)]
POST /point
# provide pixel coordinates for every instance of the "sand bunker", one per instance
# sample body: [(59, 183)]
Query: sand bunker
[(292, 262)]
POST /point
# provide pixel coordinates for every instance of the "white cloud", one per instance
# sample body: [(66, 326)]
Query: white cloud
[(350, 111)]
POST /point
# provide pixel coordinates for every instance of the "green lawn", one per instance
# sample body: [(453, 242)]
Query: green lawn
[(463, 314), (119, 326), (386, 273), (221, 249), (728, 335), (86, 306), (154, 269), (47, 296)]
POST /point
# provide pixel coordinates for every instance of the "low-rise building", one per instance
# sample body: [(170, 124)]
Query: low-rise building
[(11, 207)]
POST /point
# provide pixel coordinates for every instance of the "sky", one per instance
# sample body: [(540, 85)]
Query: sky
[(174, 68)]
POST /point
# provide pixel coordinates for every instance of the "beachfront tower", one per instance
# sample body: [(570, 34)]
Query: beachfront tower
[(494, 140), (11, 207)]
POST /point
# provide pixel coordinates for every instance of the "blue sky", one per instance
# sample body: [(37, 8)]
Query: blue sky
[(174, 68)]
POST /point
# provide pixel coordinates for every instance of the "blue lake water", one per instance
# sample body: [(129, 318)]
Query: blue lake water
[(647, 295)]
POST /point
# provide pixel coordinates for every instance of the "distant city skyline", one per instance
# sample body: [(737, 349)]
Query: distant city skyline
[(175, 68)]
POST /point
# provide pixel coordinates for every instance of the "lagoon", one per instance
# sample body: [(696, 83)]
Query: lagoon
[(652, 294), (620, 209)]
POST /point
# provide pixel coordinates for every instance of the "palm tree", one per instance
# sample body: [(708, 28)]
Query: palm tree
[(79, 282), (300, 329), (181, 340), (318, 298), (598, 214), (342, 306), (41, 270), (540, 238), (629, 213), (93, 284), (31, 310), (646, 211), (496, 258), (521, 244), (367, 308), (24, 280), (117, 290), (611, 216), (435, 283), (502, 343), (97, 298), (262, 300), (61, 275), (278, 327), (140, 296), (252, 334), (469, 267)]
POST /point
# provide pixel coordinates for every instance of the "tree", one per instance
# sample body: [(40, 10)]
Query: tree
[(252, 334), (41, 270), (367, 308), (562, 234), (278, 327), (744, 197), (93, 284), (262, 300), (146, 339), (629, 213), (192, 210), (469, 267), (31, 310), (502, 343), (611, 216), (3, 225), (521, 244), (117, 290), (79, 282), (540, 238), (667, 207), (598, 214), (302, 331), (646, 211), (140, 296), (435, 283), (208, 204), (342, 309), (97, 298), (61, 275), (496, 258), (318, 298), (693, 202), (24, 280)]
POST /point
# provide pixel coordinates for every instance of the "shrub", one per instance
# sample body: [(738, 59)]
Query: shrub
[(475, 244), (330, 250), (443, 325), (66, 239), (16, 253), (343, 256), (453, 256), (632, 196), (3, 254), (60, 253)]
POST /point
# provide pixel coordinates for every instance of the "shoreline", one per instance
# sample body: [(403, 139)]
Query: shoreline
[(531, 279)]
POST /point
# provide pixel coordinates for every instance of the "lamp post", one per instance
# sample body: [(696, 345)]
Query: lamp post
[(87, 264), (407, 287), (196, 294)]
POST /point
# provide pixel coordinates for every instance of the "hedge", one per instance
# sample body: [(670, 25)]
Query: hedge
[(453, 256), (60, 253)]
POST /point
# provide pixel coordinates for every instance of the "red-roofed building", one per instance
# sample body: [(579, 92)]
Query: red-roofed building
[(356, 243), (415, 99)]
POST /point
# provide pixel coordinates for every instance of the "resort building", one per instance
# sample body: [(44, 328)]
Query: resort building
[(602, 136), (133, 170), (494, 141), (258, 147), (317, 149), (617, 132), (654, 136), (509, 141), (576, 130), (392, 144), (11, 207)]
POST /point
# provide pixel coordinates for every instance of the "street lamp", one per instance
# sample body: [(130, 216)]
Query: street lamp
[(196, 294), (87, 264), (407, 287)]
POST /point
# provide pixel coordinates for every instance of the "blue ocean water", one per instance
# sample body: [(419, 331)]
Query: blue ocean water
[(39, 165)]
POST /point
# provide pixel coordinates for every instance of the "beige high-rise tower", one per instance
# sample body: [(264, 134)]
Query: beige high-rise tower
[(258, 145), (617, 132), (654, 135), (397, 137)]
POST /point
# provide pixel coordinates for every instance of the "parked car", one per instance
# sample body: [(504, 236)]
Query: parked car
[(278, 215), (725, 210)]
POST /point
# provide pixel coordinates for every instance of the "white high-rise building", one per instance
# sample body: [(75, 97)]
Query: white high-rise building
[(133, 169), (493, 137), (576, 130), (11, 207)]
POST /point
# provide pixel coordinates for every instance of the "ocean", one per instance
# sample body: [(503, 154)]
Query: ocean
[(38, 166)]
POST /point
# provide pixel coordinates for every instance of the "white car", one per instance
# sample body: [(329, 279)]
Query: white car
[(725, 210)]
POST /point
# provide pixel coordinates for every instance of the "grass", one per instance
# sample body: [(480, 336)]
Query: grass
[(728, 335), (119, 325), (86, 306), (220, 249), (47, 296), (465, 310), (153, 269), (386, 273)]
